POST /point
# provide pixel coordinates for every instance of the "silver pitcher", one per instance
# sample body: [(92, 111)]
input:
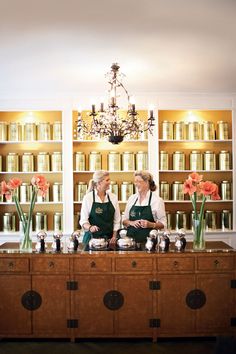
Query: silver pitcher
[(180, 240), (164, 241)]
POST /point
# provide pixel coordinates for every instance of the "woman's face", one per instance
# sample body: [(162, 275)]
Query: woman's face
[(104, 185), (140, 184)]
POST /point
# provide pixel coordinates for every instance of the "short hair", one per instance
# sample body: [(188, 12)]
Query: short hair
[(147, 177), (98, 176)]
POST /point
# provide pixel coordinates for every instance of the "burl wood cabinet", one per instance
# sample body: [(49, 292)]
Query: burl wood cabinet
[(117, 294)]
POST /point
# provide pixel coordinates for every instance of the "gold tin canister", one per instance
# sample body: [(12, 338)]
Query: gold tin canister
[(14, 131), (3, 131), (114, 188), (210, 218), (43, 162), (0, 163), (180, 220), (44, 131), (225, 188), (76, 220), (58, 221), (167, 130), (177, 190), (178, 161), (12, 162), (113, 161), (57, 192), (9, 222), (79, 161), (222, 131), (164, 190), (95, 161), (208, 130), (195, 159), (193, 131), (41, 221), (128, 161), (127, 189), (57, 130), (141, 160), (179, 130), (163, 161), (56, 161), (29, 131), (27, 162), (226, 220), (169, 220), (224, 160), (25, 192), (81, 189), (209, 161)]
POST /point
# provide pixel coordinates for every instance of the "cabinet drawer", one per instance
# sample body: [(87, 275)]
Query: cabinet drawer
[(177, 264), (215, 263), (92, 264), (134, 264), (50, 264), (20, 265)]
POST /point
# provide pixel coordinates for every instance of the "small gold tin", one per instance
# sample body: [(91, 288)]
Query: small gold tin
[(193, 131), (226, 220), (195, 159), (225, 188), (57, 130), (224, 160), (44, 133), (3, 131), (79, 161), (141, 160), (57, 192), (167, 130), (178, 161), (14, 131), (209, 161), (163, 161), (25, 192), (208, 130), (27, 162), (177, 190), (58, 221), (164, 190), (56, 161), (114, 188), (113, 161), (180, 220), (43, 162), (179, 130), (81, 189), (222, 130), (210, 217), (41, 221), (95, 161), (29, 131), (12, 162), (9, 222), (127, 189), (128, 162)]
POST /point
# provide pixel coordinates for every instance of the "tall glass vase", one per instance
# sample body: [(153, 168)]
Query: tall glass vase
[(199, 243), (26, 242)]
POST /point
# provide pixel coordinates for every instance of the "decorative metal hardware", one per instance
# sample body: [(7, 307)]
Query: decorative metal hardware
[(134, 264), (72, 323), (233, 322), (196, 299), (93, 264), (233, 284), (154, 323), (154, 285), (113, 300), (72, 285), (31, 300)]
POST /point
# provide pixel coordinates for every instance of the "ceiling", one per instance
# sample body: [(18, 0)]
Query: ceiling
[(64, 47)]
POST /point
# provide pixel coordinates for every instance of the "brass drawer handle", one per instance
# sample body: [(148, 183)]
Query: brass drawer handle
[(134, 264), (216, 262), (51, 264), (175, 264), (11, 265), (93, 264)]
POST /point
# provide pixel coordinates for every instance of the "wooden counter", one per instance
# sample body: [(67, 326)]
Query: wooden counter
[(118, 294)]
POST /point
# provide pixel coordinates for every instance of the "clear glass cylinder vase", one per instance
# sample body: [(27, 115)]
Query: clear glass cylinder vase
[(199, 227), (25, 242)]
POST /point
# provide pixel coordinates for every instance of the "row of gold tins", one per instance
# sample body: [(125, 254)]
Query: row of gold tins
[(24, 193), (30, 131), (194, 130), (181, 219), (43, 161), (174, 191), (197, 160), (126, 161), (40, 222)]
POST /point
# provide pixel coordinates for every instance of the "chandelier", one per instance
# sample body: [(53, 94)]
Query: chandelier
[(109, 122)]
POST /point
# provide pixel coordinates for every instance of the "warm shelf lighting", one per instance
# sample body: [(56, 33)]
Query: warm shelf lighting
[(108, 122)]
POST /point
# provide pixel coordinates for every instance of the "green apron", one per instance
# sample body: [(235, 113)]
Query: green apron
[(101, 215), (136, 213)]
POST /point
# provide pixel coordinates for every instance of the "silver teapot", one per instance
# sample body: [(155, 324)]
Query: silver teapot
[(57, 243), (180, 240), (124, 241), (74, 241), (164, 241), (98, 243), (40, 244), (152, 240)]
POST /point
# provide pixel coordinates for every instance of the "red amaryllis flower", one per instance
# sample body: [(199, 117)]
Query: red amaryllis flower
[(14, 183)]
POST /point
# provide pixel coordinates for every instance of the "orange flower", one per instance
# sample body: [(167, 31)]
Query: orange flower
[(14, 183), (189, 187)]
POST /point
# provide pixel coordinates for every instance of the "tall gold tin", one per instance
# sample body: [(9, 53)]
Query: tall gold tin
[(0, 163), (44, 132), (27, 162), (193, 131), (114, 188), (12, 162), (210, 217), (95, 161), (180, 220), (113, 161), (164, 190), (177, 190), (169, 220), (57, 130), (127, 189), (141, 160), (29, 131), (225, 188), (163, 161), (43, 162), (196, 161), (81, 189), (14, 131), (9, 222), (179, 130), (41, 221), (209, 161), (167, 130), (222, 132), (56, 161), (58, 221), (57, 192), (79, 161), (128, 161), (3, 131), (226, 220), (208, 130), (25, 192), (224, 160), (178, 161)]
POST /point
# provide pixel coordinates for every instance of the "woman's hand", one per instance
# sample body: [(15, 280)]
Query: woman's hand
[(135, 223), (93, 228), (112, 241), (145, 224)]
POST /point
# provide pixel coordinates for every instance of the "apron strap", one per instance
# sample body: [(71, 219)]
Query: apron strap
[(150, 198)]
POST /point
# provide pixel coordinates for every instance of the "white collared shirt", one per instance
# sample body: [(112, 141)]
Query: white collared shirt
[(157, 206), (87, 206)]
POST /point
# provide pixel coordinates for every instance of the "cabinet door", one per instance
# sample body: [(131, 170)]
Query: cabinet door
[(50, 319), (215, 316), (94, 318), (15, 319), (176, 318), (133, 318)]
